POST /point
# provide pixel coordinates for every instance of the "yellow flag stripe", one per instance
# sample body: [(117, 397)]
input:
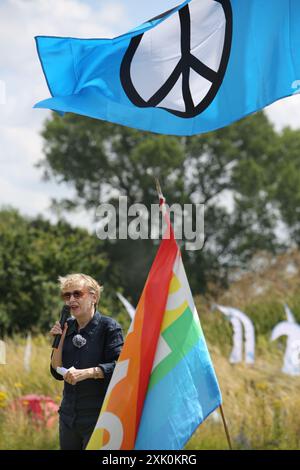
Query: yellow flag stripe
[(172, 315), (174, 285)]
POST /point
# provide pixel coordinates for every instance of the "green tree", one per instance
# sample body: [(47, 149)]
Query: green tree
[(33, 253), (284, 182), (227, 170)]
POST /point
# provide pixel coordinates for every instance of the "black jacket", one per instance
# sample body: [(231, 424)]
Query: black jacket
[(104, 341)]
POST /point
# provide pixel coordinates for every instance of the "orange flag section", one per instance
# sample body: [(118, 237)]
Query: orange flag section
[(121, 412)]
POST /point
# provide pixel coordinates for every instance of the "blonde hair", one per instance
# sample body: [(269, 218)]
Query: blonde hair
[(89, 282)]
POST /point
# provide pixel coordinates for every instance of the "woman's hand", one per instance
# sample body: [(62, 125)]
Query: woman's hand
[(77, 375), (56, 330), (56, 357)]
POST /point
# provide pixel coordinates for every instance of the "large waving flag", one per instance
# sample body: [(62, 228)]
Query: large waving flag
[(195, 68), (164, 384)]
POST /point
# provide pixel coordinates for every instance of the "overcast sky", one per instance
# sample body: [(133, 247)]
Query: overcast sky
[(22, 84)]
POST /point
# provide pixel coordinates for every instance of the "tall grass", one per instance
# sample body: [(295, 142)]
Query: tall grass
[(261, 405), (17, 429)]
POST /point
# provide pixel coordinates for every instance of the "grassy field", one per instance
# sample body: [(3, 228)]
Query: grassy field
[(261, 405), (17, 430)]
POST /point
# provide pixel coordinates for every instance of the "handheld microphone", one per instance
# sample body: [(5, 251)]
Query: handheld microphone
[(65, 313)]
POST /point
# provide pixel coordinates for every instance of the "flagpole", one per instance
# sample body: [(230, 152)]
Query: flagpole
[(158, 188), (225, 427)]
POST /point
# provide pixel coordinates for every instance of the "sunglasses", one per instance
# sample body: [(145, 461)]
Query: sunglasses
[(77, 294)]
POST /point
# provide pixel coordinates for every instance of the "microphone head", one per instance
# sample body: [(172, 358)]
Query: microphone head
[(65, 313), (66, 308)]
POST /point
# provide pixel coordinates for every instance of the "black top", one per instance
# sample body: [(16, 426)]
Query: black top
[(104, 341)]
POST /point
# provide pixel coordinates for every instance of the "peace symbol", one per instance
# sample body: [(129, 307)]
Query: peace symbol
[(186, 67)]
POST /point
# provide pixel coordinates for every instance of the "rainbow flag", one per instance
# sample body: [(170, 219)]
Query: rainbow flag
[(164, 384)]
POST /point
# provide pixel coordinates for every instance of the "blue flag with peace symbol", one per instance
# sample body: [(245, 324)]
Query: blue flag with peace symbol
[(193, 69)]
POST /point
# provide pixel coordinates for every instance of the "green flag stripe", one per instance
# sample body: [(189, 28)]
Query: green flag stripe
[(181, 336)]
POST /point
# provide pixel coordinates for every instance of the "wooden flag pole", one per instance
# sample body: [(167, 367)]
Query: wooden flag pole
[(225, 427)]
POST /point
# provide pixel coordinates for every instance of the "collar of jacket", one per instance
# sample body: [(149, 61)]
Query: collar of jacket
[(89, 328)]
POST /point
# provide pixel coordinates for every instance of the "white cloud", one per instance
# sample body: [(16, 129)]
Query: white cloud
[(285, 112), (22, 80)]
